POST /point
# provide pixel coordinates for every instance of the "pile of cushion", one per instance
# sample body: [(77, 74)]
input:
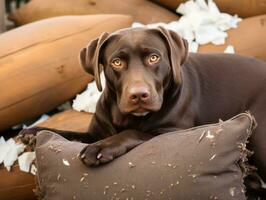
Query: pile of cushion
[(39, 70)]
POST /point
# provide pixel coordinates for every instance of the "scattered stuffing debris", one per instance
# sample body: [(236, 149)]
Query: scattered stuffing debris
[(214, 155), (162, 192), (54, 149), (82, 178), (9, 151), (65, 162), (25, 161), (87, 100), (229, 49), (43, 118), (201, 23), (194, 175), (33, 170), (58, 177), (209, 135), (202, 136), (232, 191), (130, 164), (99, 156)]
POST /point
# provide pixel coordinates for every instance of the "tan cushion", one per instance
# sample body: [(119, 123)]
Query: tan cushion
[(247, 39), (69, 120), (141, 10), (16, 185), (39, 63), (198, 163), (243, 8)]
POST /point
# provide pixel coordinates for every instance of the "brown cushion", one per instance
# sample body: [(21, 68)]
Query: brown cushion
[(141, 10), (247, 39), (69, 120), (243, 8), (198, 163), (16, 185), (42, 71)]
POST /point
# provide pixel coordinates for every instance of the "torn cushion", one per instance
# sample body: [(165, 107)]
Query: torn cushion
[(205, 162)]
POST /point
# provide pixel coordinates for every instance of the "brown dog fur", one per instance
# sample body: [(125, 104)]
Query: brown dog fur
[(185, 90)]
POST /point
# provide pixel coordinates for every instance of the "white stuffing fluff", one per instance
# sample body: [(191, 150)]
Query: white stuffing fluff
[(200, 24), (9, 151), (3, 149), (25, 161), (87, 100), (65, 162), (33, 169), (40, 120), (229, 49)]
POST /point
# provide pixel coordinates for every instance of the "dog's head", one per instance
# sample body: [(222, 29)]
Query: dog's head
[(138, 63)]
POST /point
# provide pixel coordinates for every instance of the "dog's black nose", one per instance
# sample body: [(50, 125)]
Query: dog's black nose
[(138, 94)]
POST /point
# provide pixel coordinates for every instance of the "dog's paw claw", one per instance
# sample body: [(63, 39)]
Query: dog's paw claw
[(95, 154), (88, 155)]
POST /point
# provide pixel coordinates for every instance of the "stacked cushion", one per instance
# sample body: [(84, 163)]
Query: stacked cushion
[(141, 10), (69, 120), (39, 63), (16, 184)]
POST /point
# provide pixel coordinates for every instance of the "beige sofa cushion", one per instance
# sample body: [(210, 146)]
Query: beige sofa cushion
[(142, 11), (40, 67)]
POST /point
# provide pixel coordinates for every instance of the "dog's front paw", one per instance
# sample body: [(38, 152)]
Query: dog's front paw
[(28, 136), (101, 152)]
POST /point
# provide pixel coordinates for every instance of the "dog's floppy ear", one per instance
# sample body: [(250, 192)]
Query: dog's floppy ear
[(89, 58), (177, 49)]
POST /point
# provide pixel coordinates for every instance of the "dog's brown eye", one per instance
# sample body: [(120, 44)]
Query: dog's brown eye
[(153, 58), (117, 63)]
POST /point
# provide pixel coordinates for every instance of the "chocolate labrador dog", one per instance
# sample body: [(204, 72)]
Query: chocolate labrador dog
[(154, 86)]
